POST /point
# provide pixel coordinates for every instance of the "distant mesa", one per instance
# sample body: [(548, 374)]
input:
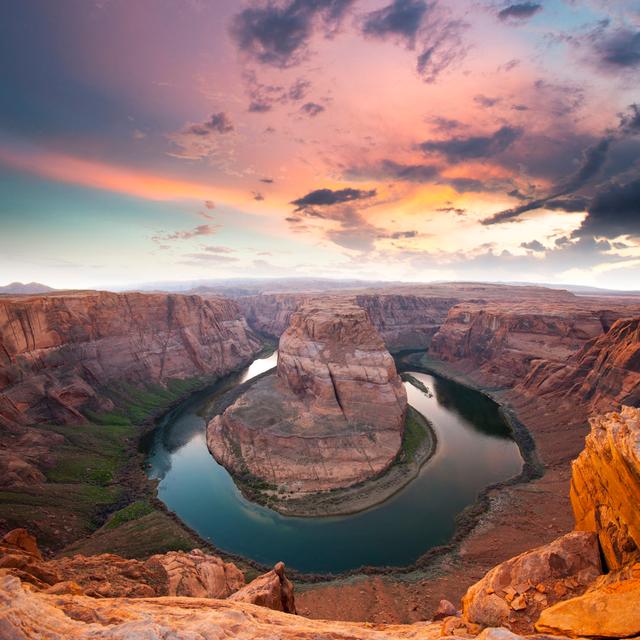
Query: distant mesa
[(331, 417), (29, 288)]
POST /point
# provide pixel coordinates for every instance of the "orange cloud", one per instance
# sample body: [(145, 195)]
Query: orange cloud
[(99, 175)]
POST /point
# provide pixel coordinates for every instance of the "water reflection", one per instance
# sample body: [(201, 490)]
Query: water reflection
[(474, 450)]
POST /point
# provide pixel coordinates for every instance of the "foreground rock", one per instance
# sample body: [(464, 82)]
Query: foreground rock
[(272, 590), (333, 416), (605, 486), (516, 591), (176, 573), (26, 615)]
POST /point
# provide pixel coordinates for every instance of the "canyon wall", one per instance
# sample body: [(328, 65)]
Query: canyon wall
[(60, 354), (333, 415), (500, 341), (58, 351), (406, 316)]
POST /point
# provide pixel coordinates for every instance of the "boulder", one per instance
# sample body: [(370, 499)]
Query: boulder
[(272, 590), (198, 575), (514, 592)]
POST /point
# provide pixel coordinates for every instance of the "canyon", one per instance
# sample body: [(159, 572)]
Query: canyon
[(333, 414), (561, 589), (549, 358)]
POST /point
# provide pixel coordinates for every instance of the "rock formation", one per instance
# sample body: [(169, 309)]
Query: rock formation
[(176, 573), (605, 486), (332, 417), (499, 341), (60, 353)]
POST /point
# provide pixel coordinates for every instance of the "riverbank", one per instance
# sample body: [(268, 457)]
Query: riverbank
[(418, 445)]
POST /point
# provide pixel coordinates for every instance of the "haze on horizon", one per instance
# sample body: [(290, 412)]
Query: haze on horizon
[(370, 139)]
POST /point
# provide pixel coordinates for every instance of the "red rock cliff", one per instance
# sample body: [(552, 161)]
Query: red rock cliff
[(57, 351), (334, 414)]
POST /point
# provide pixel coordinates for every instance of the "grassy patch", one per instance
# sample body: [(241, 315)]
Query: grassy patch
[(418, 384), (132, 511), (415, 432)]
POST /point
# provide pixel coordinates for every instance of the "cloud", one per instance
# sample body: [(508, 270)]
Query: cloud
[(312, 109), (267, 180), (446, 125), (387, 169), (397, 235), (534, 245), (457, 210), (614, 211), (328, 197), (209, 204), (258, 196), (486, 101), (217, 123), (519, 11), (402, 18), (263, 97), (592, 164), (218, 249), (200, 230), (207, 258), (617, 50), (421, 25), (458, 149), (278, 34)]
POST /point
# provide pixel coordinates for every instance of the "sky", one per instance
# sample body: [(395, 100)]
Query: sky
[(416, 140)]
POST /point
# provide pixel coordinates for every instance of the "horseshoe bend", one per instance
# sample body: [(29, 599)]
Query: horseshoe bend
[(319, 320)]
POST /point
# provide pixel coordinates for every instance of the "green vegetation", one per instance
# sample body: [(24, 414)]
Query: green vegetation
[(418, 384), (96, 472), (132, 511), (135, 403), (416, 430)]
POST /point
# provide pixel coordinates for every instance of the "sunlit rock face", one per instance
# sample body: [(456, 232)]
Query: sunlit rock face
[(331, 417), (605, 486)]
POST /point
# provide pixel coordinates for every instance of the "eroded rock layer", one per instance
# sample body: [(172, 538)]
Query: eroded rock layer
[(334, 414), (605, 486), (60, 353)]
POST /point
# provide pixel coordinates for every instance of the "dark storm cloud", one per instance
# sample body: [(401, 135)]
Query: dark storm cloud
[(464, 148), (388, 169), (312, 109), (278, 35), (421, 25), (630, 122), (402, 18), (519, 11), (619, 49), (267, 180), (570, 205), (614, 211), (328, 197), (534, 245), (217, 123), (593, 161)]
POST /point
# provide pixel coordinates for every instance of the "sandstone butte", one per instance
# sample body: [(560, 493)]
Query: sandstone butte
[(561, 589), (331, 417)]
